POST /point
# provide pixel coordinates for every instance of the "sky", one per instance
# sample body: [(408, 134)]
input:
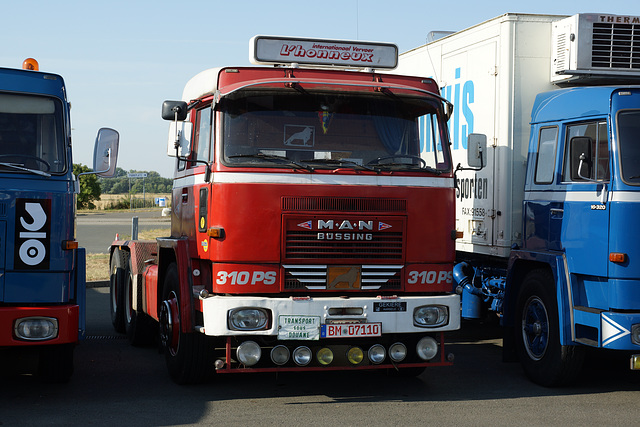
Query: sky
[(121, 59)]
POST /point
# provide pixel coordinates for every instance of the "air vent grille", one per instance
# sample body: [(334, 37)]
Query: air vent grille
[(616, 46)]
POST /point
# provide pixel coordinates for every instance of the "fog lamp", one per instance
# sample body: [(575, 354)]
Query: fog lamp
[(249, 353), (635, 333), (248, 319), (397, 352), (377, 354), (635, 362), (429, 316), (355, 355), (427, 348), (302, 356), (325, 356), (36, 328), (280, 355)]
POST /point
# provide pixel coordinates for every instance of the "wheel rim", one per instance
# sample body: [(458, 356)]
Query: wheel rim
[(535, 328), (170, 324)]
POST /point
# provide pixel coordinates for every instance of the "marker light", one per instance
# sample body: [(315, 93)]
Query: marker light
[(30, 64), (618, 257), (215, 232), (68, 245)]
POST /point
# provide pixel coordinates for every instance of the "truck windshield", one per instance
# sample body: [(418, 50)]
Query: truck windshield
[(330, 130), (629, 136), (31, 136)]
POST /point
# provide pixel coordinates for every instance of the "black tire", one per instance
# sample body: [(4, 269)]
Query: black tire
[(189, 356), (138, 327), (537, 335), (116, 289), (56, 363)]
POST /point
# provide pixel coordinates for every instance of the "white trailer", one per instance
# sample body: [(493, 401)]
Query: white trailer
[(491, 72)]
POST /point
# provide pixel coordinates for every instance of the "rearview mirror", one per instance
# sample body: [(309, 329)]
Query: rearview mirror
[(477, 150), (105, 153), (174, 110)]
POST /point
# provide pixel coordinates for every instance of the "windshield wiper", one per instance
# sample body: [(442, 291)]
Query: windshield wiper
[(274, 158), (422, 165), (21, 168), (342, 162)]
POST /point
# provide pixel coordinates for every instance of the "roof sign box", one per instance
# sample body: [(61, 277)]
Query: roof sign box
[(323, 52)]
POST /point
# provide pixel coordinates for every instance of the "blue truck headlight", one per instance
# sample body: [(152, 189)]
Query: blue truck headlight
[(36, 328), (635, 333), (248, 319), (430, 316)]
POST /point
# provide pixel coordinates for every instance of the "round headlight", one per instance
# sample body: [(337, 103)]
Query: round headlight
[(249, 353), (280, 355), (302, 356), (377, 354), (355, 355), (397, 352), (248, 319), (430, 315), (325, 356), (427, 348)]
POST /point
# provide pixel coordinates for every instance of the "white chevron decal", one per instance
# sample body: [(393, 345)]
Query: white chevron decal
[(611, 331)]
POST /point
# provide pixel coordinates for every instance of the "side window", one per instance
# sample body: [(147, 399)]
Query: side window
[(430, 142), (595, 147), (546, 160), (202, 136)]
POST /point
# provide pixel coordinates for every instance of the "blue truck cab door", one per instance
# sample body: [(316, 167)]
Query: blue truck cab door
[(567, 209), (621, 323)]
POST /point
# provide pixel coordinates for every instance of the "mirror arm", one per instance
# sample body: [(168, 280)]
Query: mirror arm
[(460, 168)]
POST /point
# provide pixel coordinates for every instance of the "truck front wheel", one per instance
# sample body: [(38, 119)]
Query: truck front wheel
[(116, 291), (544, 359), (189, 356)]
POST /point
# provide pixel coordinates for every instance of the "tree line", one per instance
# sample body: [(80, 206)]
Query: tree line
[(92, 187)]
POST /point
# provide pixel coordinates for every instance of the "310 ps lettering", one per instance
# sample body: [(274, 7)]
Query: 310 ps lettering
[(246, 277), (429, 277)]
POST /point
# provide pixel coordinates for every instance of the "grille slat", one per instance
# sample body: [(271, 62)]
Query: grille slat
[(343, 204), (615, 46), (304, 245)]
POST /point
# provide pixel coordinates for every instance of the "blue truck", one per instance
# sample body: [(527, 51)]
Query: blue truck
[(546, 133), (42, 269)]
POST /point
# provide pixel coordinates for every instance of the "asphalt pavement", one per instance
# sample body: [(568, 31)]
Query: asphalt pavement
[(96, 230)]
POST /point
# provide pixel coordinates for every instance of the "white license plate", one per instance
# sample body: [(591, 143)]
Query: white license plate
[(351, 330), (298, 327)]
